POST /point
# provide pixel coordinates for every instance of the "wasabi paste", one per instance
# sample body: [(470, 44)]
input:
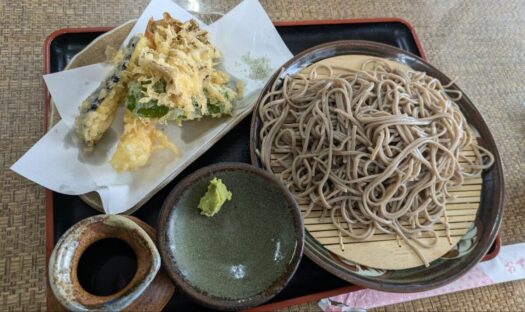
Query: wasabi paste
[(214, 198)]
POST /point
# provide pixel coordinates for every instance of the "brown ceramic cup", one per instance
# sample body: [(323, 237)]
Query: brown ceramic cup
[(149, 280)]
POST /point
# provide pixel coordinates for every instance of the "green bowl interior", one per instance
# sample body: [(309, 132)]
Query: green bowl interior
[(247, 251)]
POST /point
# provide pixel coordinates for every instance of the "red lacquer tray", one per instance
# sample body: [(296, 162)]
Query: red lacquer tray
[(310, 283)]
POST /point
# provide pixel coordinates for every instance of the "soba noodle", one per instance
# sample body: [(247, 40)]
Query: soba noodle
[(377, 148)]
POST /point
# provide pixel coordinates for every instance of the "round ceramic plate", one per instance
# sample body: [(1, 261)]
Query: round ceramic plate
[(243, 255), (476, 242)]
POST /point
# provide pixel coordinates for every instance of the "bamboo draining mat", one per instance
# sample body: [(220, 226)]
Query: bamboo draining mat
[(386, 251), (481, 42)]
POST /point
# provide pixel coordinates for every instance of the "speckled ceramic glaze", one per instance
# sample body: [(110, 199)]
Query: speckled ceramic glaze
[(243, 255), (147, 282)]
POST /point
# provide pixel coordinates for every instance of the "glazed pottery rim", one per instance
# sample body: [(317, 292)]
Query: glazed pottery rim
[(185, 285), (327, 50), (122, 298)]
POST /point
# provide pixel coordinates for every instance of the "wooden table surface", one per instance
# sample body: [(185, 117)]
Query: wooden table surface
[(480, 42)]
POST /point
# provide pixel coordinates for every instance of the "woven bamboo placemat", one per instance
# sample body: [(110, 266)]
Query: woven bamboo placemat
[(481, 42)]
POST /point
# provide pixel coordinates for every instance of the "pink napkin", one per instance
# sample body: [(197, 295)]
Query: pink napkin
[(509, 265)]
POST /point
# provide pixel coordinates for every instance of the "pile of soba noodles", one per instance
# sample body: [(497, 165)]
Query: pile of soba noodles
[(376, 148)]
